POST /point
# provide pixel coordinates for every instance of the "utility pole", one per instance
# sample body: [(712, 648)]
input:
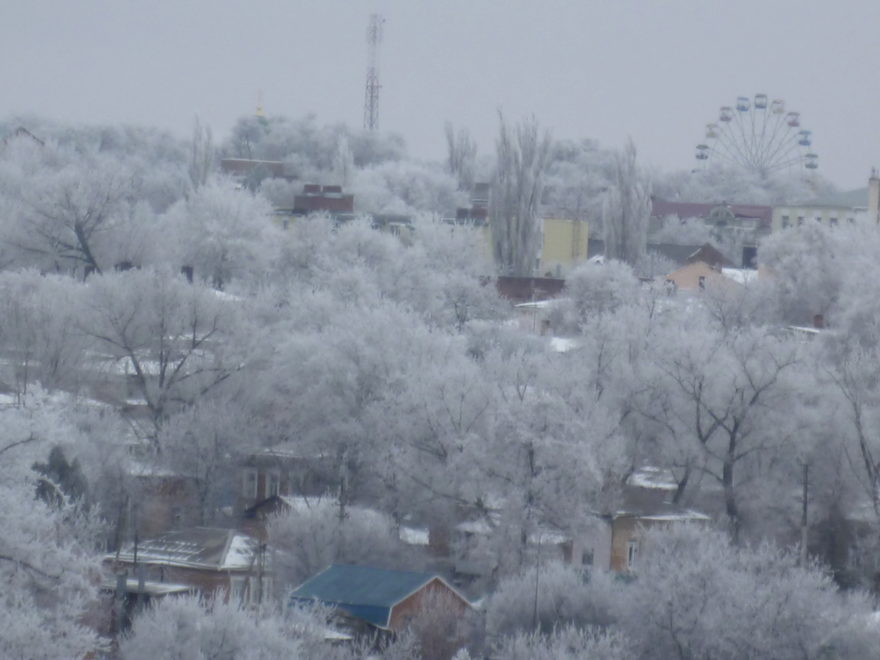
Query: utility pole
[(804, 516), (371, 92)]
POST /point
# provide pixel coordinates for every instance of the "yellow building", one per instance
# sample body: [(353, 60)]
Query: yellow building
[(563, 246)]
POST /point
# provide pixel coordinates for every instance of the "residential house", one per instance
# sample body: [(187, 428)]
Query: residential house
[(225, 562), (703, 265), (284, 469), (647, 505), (378, 598), (164, 500)]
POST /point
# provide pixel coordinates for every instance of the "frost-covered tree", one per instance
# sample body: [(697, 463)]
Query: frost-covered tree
[(48, 563), (461, 154), (404, 188), (170, 337), (522, 155), (343, 162), (67, 210), (564, 643), (222, 233), (729, 389), (626, 209), (189, 627), (318, 532), (38, 332), (548, 596), (591, 290), (697, 596), (201, 158)]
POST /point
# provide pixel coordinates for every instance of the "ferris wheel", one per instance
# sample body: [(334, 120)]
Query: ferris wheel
[(758, 135)]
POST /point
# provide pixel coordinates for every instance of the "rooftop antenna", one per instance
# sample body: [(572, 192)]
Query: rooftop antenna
[(259, 112), (371, 93)]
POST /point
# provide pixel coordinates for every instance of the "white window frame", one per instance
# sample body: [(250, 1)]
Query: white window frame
[(632, 553)]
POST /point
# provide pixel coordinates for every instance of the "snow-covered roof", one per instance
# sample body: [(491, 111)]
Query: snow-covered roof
[(548, 537), (150, 587), (804, 329), (563, 344), (200, 547), (683, 515), (480, 526), (537, 304), (740, 275), (414, 536), (651, 476), (239, 553)]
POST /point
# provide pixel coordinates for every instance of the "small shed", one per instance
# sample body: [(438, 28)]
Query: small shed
[(384, 599)]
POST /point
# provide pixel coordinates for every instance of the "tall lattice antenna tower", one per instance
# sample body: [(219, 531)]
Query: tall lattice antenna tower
[(371, 92)]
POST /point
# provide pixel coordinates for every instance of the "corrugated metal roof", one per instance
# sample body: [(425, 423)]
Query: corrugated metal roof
[(365, 592), (199, 547)]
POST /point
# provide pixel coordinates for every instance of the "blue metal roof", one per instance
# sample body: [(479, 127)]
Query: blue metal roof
[(365, 592)]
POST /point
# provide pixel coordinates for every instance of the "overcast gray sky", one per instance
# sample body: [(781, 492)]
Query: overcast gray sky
[(656, 71)]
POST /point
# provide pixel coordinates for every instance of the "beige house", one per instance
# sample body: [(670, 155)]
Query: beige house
[(648, 504), (705, 266)]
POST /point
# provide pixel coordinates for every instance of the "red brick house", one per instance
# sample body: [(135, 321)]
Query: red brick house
[(383, 599), (225, 562)]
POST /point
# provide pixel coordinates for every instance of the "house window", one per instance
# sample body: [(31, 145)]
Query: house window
[(819, 219), (786, 223), (632, 554), (832, 222), (851, 220), (702, 281), (244, 589), (273, 483), (587, 557), (238, 589), (800, 220), (249, 484), (265, 594)]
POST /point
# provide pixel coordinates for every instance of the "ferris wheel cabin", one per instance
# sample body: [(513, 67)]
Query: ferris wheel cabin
[(743, 104), (761, 101)]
